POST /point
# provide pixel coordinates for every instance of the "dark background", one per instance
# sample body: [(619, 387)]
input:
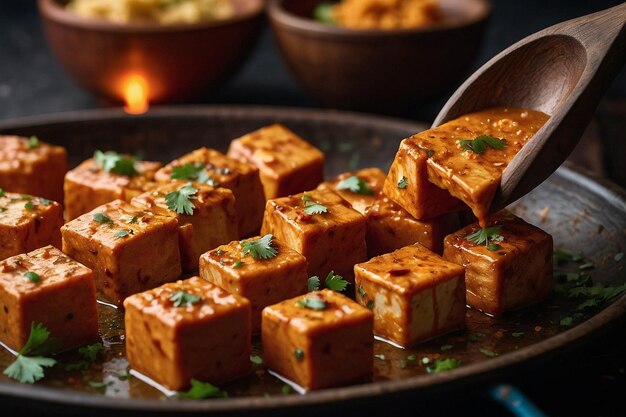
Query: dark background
[(586, 380)]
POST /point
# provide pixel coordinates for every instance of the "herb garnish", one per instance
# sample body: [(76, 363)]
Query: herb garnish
[(313, 303), (313, 207), (361, 291), (299, 354), (100, 384), (118, 164), (200, 390), (179, 201), (480, 143), (488, 353), (29, 206), (403, 183), (123, 233), (237, 264), (102, 218), (356, 185), (323, 13), (259, 249), (256, 359), (33, 142), (28, 366), (487, 235), (332, 281), (184, 299), (33, 277), (443, 365), (2, 192), (195, 171)]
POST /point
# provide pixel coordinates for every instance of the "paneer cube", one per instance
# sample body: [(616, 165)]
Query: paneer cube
[(187, 330), (407, 184), (288, 164), (414, 293), (262, 281), (30, 166), (390, 227), (28, 223), (130, 250), (321, 226), (513, 268), (466, 157), (359, 188), (88, 186), (213, 222), (221, 171), (45, 286), (319, 340)]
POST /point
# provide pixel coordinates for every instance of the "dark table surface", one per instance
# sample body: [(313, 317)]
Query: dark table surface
[(586, 380)]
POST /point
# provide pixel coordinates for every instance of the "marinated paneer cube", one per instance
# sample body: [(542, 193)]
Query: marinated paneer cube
[(130, 250), (319, 340), (465, 156), (414, 293), (263, 270), (30, 166), (390, 227), (28, 223), (212, 222), (359, 188), (407, 184), (321, 226), (507, 265), (187, 330), (216, 169), (287, 163), (95, 182), (46, 286)]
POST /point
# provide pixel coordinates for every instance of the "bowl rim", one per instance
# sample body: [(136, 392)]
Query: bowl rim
[(52, 10), (277, 14)]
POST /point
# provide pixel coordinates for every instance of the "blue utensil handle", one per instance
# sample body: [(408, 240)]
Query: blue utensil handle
[(515, 401)]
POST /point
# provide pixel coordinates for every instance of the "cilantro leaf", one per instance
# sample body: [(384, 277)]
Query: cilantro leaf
[(237, 264), (33, 277), (256, 359), (335, 282), (486, 235), (480, 143), (443, 365), (259, 249), (33, 142), (200, 390), (102, 218), (179, 201), (91, 352), (313, 303), (299, 354), (323, 13), (188, 171), (403, 183), (116, 163), (28, 370), (488, 353), (311, 208), (184, 299), (356, 185), (313, 283), (123, 233), (39, 342), (2, 192), (566, 321)]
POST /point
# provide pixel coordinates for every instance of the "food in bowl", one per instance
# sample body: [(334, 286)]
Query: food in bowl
[(380, 14), (165, 12)]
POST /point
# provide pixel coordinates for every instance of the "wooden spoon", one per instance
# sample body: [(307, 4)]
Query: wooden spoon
[(563, 71)]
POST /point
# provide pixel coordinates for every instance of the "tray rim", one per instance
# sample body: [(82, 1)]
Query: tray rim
[(81, 400)]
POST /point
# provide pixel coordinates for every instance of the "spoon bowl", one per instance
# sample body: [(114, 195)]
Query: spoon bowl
[(562, 71)]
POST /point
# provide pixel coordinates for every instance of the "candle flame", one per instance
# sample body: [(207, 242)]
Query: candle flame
[(136, 95)]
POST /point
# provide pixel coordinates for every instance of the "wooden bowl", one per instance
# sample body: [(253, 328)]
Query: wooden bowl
[(175, 62), (376, 69)]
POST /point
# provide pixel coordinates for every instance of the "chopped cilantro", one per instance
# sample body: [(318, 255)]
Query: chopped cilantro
[(370, 304), (323, 13), (493, 247), (313, 283), (618, 256), (188, 171), (286, 389), (256, 359), (586, 265), (102, 218), (443, 365), (311, 208), (29, 206), (184, 299), (2, 192), (356, 185), (237, 264), (403, 183), (488, 353), (33, 277), (306, 197), (313, 303), (123, 233), (260, 248), (33, 142), (566, 321), (429, 153), (298, 354), (99, 384), (28, 366), (179, 201), (480, 143), (116, 163), (131, 220), (361, 291), (44, 202), (335, 282), (200, 390), (91, 352), (486, 235), (517, 335)]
